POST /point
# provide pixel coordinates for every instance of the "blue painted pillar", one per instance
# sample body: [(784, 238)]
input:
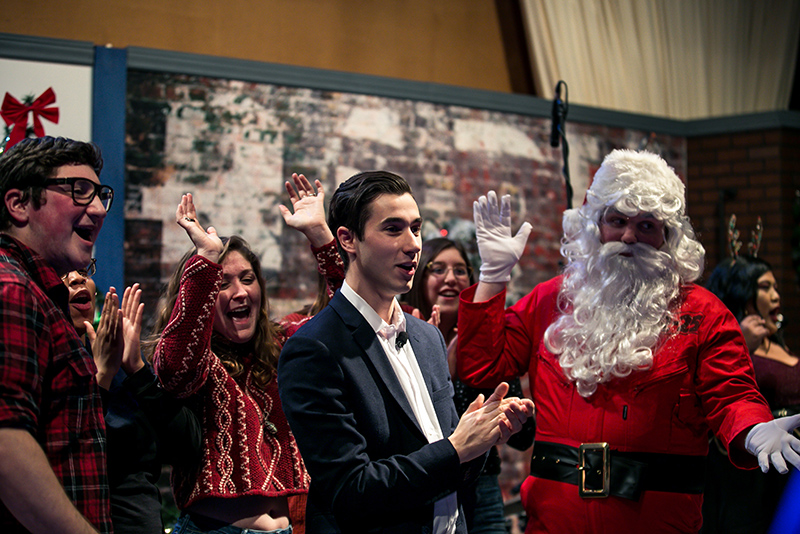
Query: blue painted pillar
[(109, 88)]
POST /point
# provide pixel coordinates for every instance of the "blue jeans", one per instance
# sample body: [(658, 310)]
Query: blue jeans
[(185, 525), (483, 507)]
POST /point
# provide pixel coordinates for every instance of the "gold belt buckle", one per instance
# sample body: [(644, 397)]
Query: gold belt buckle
[(605, 473)]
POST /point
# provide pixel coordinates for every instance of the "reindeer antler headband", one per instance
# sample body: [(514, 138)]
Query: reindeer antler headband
[(735, 245)]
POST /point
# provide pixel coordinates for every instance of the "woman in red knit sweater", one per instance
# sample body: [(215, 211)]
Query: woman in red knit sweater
[(219, 351)]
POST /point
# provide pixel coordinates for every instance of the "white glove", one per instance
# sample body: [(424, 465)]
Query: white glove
[(499, 251), (773, 441)]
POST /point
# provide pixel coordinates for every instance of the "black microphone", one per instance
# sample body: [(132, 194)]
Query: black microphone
[(555, 132), (400, 340)]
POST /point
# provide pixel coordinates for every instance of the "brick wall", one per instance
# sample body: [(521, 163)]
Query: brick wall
[(750, 174), (233, 143)]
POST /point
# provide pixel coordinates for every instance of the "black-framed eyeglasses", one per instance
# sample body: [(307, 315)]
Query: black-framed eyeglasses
[(88, 272), (440, 270), (84, 191)]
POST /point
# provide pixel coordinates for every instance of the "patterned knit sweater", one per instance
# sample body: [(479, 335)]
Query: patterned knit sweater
[(248, 448)]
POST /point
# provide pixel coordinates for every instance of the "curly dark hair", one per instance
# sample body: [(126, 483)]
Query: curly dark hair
[(30, 162)]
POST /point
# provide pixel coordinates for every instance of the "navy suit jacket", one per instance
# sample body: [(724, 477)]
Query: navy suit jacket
[(371, 467)]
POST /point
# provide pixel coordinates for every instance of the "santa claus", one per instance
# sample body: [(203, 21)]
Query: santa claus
[(631, 364)]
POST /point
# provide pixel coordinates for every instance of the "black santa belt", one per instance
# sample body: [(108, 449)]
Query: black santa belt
[(599, 471)]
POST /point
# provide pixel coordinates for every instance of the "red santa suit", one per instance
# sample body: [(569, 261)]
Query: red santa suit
[(701, 379)]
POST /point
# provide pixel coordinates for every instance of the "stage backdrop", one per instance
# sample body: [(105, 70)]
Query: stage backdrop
[(234, 143)]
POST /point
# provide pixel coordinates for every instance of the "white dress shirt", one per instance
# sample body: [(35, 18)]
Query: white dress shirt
[(407, 370)]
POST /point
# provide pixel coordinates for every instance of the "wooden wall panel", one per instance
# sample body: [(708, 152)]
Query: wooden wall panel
[(452, 42)]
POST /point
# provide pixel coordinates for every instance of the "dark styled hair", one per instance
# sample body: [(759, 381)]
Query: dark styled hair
[(430, 250), (265, 347), (735, 282), (27, 164), (350, 204)]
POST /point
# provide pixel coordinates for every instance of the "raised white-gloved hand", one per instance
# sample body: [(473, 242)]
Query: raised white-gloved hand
[(498, 249), (773, 442)]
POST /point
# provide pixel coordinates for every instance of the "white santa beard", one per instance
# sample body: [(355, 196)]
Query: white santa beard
[(617, 308)]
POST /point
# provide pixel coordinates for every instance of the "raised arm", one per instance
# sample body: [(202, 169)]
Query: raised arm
[(183, 357), (499, 250), (308, 210), (308, 217), (207, 242), (492, 344)]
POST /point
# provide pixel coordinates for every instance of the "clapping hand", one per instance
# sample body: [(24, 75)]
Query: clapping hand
[(515, 412), (434, 319), (132, 311), (488, 423), (107, 342)]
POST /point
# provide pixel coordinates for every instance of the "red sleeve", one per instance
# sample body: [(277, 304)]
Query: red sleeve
[(496, 344), (330, 265), (183, 357), (725, 379), (22, 326), (291, 324)]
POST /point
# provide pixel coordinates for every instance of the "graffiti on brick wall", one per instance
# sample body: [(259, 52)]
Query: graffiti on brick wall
[(233, 144)]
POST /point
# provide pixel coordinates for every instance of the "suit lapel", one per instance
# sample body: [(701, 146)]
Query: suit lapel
[(422, 352), (364, 336)]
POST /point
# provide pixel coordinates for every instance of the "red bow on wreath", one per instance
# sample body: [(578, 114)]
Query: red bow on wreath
[(15, 113)]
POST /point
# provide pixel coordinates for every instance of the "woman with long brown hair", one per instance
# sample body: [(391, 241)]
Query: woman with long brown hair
[(219, 350)]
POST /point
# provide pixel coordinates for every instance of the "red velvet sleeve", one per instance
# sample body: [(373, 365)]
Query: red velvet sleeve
[(496, 344), (725, 379)]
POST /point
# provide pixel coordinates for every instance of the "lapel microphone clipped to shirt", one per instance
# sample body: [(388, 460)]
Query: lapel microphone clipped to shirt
[(400, 340)]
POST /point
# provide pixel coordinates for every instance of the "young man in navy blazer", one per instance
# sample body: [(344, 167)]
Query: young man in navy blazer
[(366, 388)]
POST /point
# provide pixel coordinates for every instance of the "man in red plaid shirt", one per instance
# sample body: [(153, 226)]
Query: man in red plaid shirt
[(52, 435)]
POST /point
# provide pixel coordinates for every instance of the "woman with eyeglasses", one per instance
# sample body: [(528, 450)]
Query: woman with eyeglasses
[(145, 426), (219, 350), (434, 297)]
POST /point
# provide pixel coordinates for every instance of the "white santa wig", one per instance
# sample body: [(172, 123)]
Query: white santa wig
[(612, 317), (632, 182)]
